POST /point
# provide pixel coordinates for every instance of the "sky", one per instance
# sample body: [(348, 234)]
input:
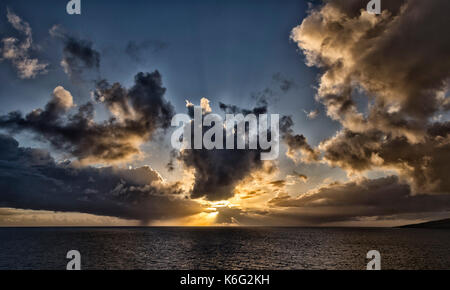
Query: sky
[(87, 102)]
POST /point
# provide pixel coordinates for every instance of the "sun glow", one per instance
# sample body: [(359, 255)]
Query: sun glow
[(202, 219)]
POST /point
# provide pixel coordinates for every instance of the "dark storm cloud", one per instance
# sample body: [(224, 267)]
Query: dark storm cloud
[(78, 54), (296, 142), (30, 179), (137, 113), (137, 50), (218, 171), (366, 198), (232, 109), (144, 101), (399, 60)]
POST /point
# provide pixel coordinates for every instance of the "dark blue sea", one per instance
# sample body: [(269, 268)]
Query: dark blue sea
[(227, 248)]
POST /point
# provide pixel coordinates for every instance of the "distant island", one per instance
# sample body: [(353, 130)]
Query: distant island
[(439, 224)]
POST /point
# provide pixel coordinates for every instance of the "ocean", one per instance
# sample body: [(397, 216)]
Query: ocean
[(226, 248)]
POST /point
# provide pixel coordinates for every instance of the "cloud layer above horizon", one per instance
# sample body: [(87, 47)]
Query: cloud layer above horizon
[(383, 79)]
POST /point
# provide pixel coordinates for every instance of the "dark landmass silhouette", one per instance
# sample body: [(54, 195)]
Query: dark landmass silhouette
[(439, 224)]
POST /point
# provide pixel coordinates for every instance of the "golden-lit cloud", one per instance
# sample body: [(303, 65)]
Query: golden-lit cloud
[(363, 54)]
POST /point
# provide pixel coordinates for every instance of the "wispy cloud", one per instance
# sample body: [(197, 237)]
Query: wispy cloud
[(18, 52)]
